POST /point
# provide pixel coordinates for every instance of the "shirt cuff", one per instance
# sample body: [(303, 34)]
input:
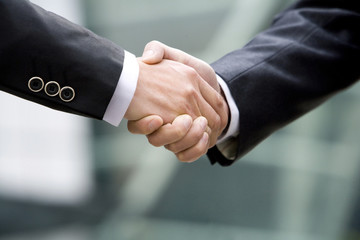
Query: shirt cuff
[(227, 142), (234, 125), (124, 91)]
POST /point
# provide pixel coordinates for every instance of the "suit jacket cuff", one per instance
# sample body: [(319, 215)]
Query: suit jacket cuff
[(234, 124), (227, 144)]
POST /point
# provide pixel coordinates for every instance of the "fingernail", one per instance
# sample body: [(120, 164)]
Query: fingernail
[(203, 123), (205, 138), (152, 125), (148, 53), (187, 122)]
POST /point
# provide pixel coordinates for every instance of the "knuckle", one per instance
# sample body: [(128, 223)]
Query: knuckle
[(223, 112), (224, 123), (133, 131), (169, 147), (132, 127), (188, 108), (179, 132), (172, 148), (190, 72), (182, 157), (212, 143), (215, 123), (199, 150), (197, 134), (208, 130), (153, 141), (190, 91), (218, 121), (187, 159), (153, 42), (219, 101)]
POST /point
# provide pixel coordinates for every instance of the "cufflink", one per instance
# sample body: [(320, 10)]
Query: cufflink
[(36, 84), (52, 88), (67, 94)]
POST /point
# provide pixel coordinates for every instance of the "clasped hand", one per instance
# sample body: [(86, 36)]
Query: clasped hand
[(177, 103)]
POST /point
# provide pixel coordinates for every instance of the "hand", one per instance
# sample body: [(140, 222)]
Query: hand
[(186, 145), (187, 139), (169, 89), (155, 52)]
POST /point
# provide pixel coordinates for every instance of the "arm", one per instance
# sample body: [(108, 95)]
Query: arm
[(37, 43), (307, 55), (51, 61)]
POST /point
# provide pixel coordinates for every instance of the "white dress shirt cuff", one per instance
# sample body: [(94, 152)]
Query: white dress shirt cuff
[(233, 129), (124, 91), (227, 143)]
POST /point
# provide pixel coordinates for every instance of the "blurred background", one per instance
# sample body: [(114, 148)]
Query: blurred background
[(67, 177)]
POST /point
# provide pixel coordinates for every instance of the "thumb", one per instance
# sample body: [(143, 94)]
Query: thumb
[(156, 51), (153, 53)]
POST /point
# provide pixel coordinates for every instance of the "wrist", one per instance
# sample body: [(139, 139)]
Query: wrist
[(222, 93), (130, 113), (232, 128)]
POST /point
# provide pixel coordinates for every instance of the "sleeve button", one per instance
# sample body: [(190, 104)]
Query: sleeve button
[(67, 94), (36, 84), (52, 88)]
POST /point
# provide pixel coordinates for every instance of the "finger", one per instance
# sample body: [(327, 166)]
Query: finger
[(146, 125), (215, 100), (154, 52), (195, 152), (209, 110), (217, 121), (194, 135), (170, 133)]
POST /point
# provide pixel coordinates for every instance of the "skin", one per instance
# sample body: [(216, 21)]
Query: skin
[(187, 141), (169, 89)]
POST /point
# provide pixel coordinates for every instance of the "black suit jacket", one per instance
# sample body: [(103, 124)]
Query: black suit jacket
[(311, 51), (38, 43)]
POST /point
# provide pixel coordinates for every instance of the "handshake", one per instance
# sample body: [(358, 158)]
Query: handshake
[(178, 102)]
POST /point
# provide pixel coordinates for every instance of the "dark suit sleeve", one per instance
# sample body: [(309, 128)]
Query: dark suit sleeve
[(311, 52), (38, 43)]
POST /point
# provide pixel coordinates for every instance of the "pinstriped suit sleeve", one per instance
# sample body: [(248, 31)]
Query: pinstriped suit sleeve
[(310, 53), (38, 43)]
